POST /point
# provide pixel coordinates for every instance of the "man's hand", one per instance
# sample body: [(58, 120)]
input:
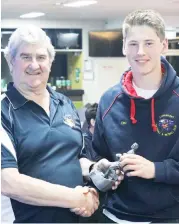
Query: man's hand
[(120, 178), (138, 166), (103, 165), (88, 201)]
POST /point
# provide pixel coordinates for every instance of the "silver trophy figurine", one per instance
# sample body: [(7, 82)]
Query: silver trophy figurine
[(105, 180)]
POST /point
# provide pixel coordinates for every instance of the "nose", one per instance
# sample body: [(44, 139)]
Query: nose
[(141, 50), (34, 65)]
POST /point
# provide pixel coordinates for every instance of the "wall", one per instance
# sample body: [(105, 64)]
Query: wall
[(104, 77), (107, 73)]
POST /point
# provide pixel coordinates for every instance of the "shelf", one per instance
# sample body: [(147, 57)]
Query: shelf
[(71, 92), (172, 52)]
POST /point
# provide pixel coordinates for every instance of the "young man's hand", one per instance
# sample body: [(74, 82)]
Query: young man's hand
[(103, 165), (88, 201), (138, 166)]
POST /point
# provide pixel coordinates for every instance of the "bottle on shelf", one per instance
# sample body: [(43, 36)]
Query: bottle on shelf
[(58, 83), (77, 75), (68, 84), (63, 82), (3, 85)]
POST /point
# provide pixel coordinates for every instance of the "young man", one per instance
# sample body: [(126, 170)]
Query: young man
[(142, 108)]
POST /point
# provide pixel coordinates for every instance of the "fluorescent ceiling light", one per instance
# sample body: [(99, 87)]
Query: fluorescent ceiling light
[(80, 3), (32, 15), (6, 32)]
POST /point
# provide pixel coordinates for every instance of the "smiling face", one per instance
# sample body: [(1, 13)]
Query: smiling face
[(143, 49), (31, 67)]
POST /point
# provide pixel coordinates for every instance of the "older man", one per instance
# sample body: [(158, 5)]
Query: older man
[(41, 173)]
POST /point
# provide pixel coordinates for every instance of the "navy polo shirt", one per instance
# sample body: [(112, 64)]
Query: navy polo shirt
[(43, 147)]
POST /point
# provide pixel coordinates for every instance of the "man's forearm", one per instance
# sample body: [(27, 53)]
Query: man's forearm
[(37, 192)]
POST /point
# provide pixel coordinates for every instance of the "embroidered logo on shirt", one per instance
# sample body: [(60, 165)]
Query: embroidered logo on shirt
[(123, 123), (68, 119), (166, 125)]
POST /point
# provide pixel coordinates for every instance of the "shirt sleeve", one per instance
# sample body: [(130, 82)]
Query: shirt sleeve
[(7, 159)]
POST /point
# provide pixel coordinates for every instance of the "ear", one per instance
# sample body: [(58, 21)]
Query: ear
[(50, 65), (124, 47), (92, 122), (164, 46), (10, 62)]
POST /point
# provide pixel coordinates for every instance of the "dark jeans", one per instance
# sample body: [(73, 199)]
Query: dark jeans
[(105, 219), (167, 221)]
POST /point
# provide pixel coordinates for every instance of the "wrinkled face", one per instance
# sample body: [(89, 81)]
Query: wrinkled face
[(31, 67), (143, 49)]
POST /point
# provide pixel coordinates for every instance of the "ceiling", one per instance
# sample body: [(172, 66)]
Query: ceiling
[(103, 10)]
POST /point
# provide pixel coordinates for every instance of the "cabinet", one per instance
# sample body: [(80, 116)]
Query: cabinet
[(62, 39), (65, 38)]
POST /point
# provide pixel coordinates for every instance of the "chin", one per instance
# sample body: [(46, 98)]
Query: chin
[(35, 84), (143, 72)]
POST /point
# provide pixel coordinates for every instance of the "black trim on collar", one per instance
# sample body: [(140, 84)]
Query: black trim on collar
[(17, 100)]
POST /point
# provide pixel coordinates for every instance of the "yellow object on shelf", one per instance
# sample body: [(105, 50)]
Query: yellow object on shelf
[(75, 70)]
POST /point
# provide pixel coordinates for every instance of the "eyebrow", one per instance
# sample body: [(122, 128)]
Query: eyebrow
[(150, 40), (26, 54), (144, 40), (42, 55), (133, 41)]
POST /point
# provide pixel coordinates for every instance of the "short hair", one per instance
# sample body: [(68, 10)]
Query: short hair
[(90, 112), (28, 34), (146, 17)]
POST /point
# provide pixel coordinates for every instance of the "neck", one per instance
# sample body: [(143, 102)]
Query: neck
[(32, 94), (91, 129), (148, 81)]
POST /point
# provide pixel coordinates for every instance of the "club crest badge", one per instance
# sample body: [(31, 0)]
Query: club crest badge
[(166, 125), (68, 120)]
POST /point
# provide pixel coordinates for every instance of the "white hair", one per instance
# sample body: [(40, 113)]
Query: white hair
[(28, 34)]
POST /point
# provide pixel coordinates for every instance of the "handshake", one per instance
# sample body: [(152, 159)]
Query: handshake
[(87, 198), (86, 201), (105, 176)]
